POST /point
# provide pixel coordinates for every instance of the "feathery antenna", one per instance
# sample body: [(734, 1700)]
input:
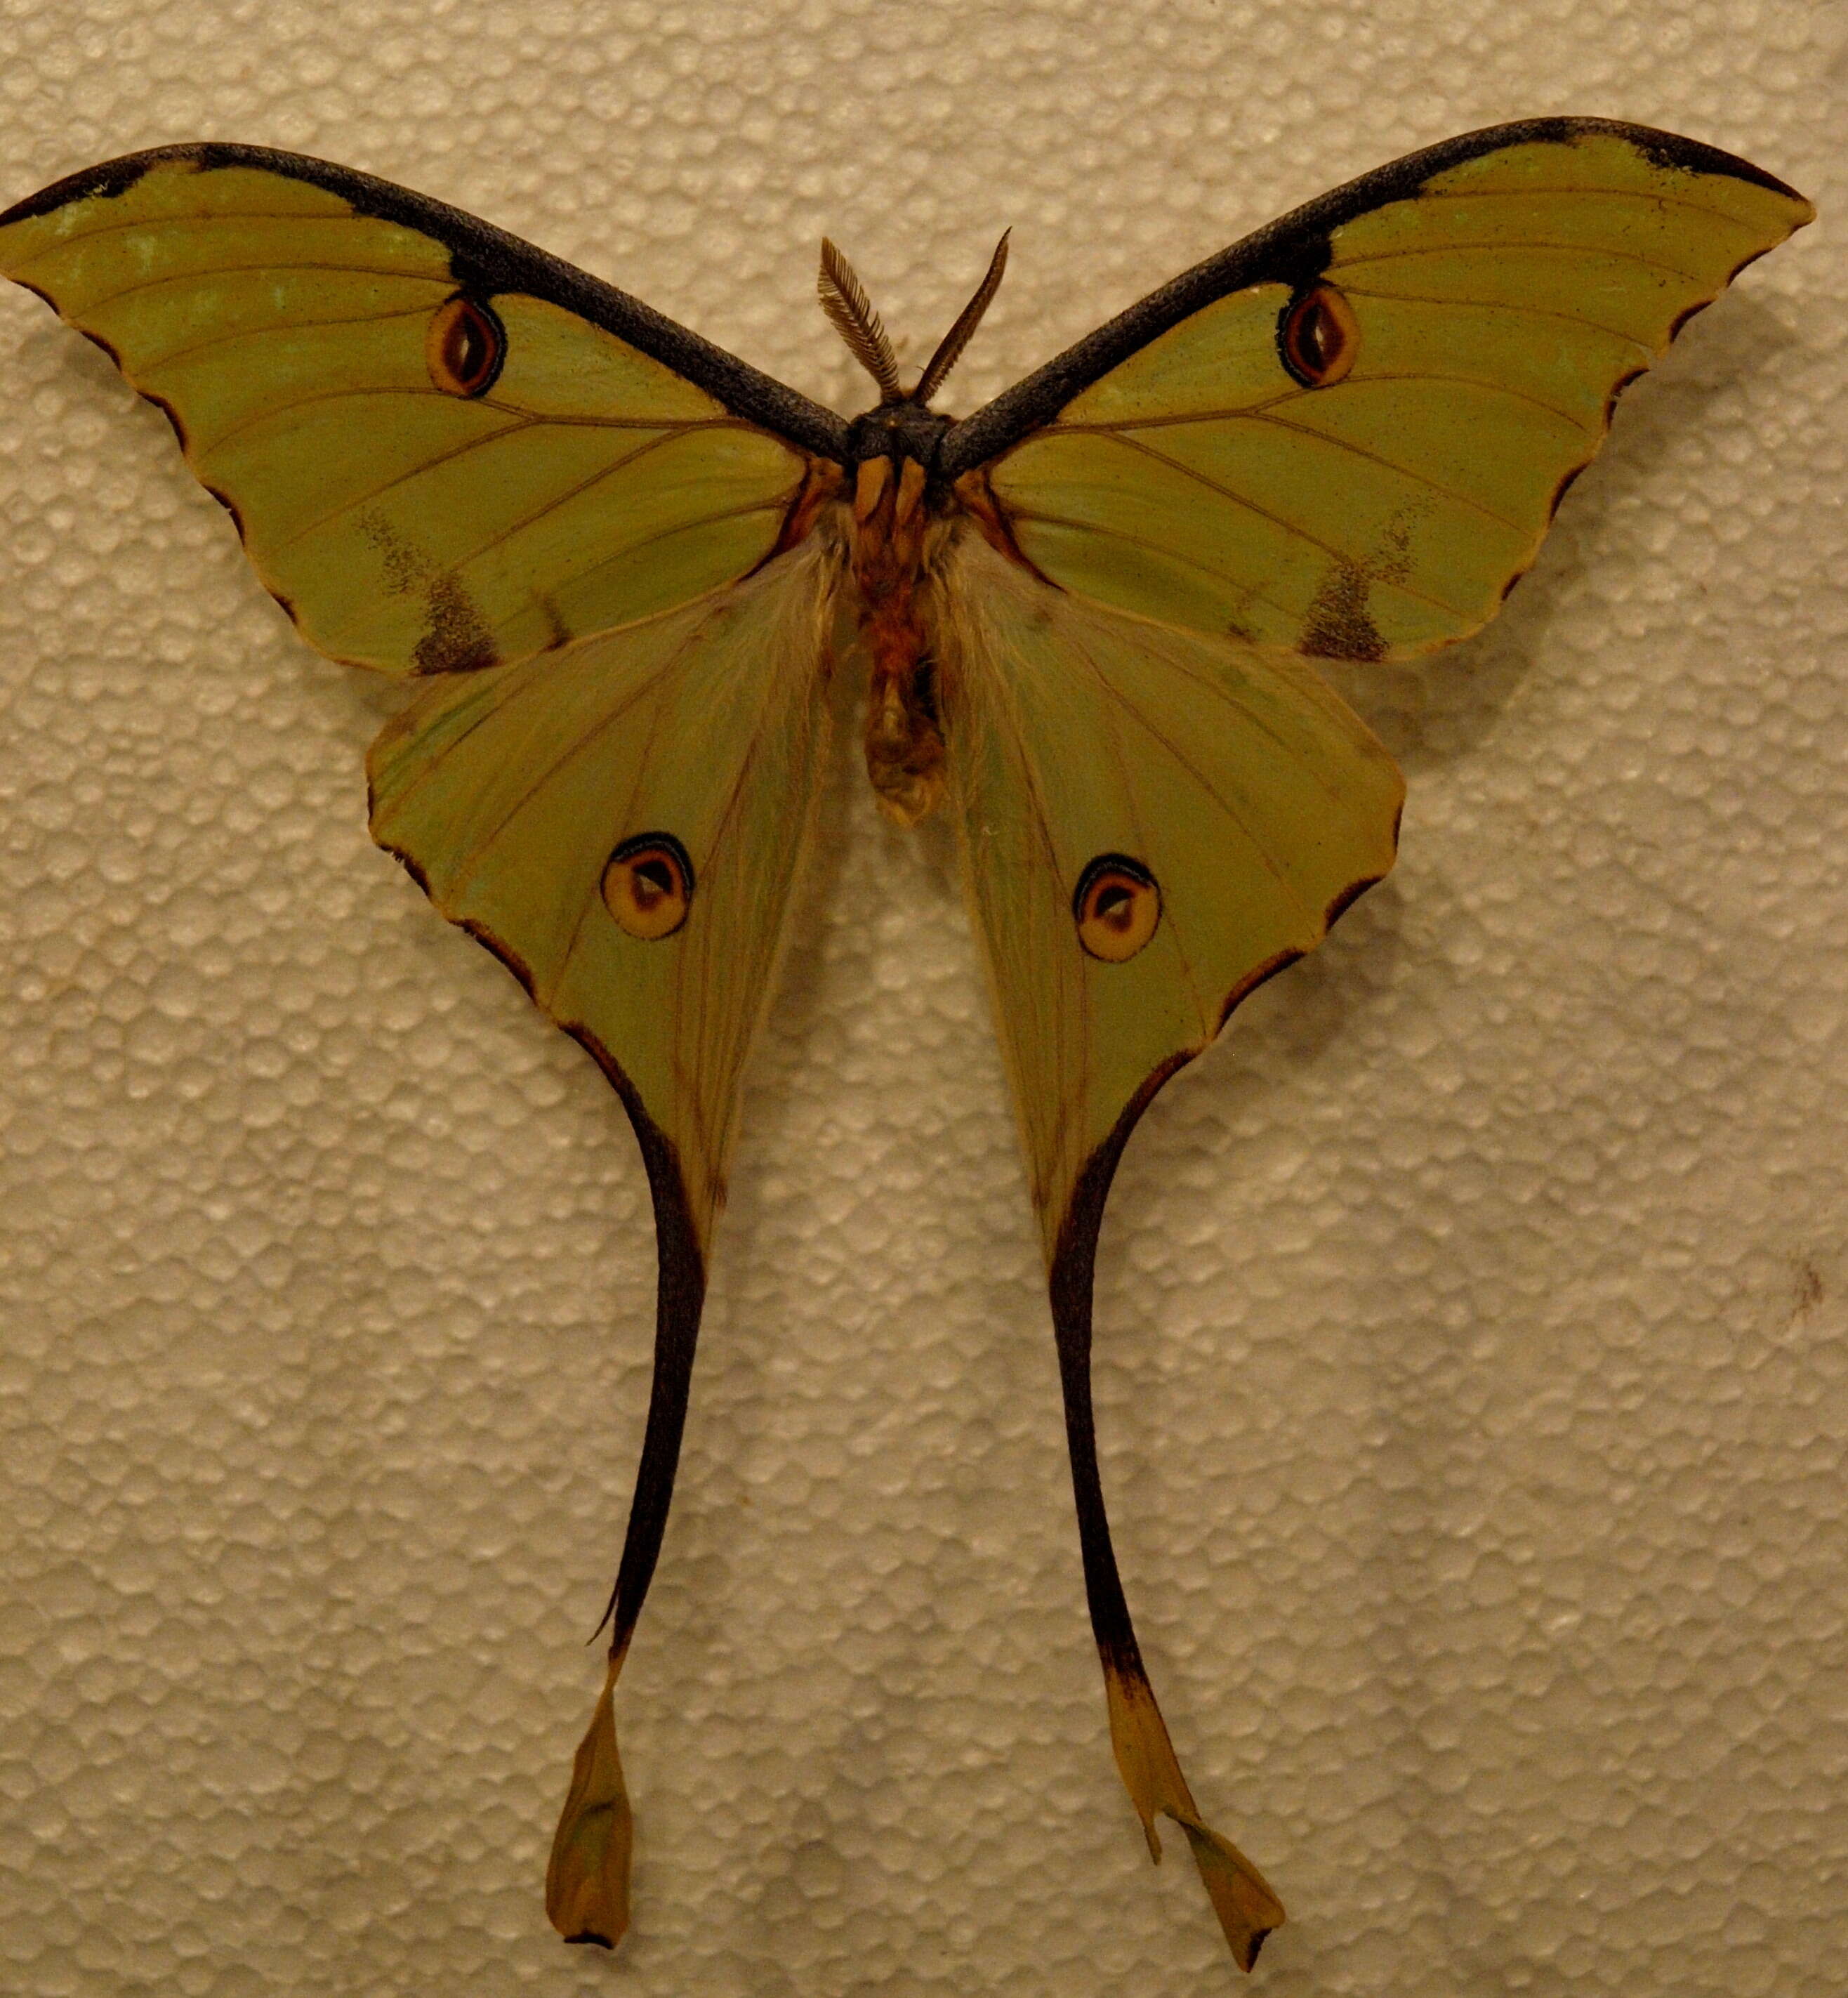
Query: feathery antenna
[(950, 350), (844, 299)]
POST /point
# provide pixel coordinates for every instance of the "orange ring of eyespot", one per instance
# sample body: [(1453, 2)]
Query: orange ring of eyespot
[(648, 886), (1118, 907), (464, 347), (1318, 336)]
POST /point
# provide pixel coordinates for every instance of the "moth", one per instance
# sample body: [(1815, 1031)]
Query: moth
[(613, 557)]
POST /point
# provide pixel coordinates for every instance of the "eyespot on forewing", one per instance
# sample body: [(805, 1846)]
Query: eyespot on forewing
[(1118, 907), (648, 886), (1318, 336), (464, 347)]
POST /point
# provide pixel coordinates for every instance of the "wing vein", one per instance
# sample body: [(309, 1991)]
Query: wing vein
[(471, 855), (249, 270), (279, 326), (1387, 464), (1277, 520), (1119, 708), (1295, 395), (1249, 592), (778, 505), (1651, 199), (162, 223), (1504, 305), (271, 411), (1523, 242), (416, 471), (1002, 708), (1158, 736)]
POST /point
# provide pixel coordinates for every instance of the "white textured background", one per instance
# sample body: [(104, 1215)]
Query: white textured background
[(1473, 1358)]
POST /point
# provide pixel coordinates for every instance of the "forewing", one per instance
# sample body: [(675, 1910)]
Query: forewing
[(1348, 435), (443, 449)]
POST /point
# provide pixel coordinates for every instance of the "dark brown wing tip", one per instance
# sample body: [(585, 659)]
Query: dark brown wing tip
[(604, 1941), (1249, 1962), (108, 177)]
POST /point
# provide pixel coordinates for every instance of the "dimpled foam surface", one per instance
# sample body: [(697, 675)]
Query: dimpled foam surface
[(1472, 1346)]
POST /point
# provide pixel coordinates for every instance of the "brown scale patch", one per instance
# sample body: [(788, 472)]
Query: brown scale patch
[(557, 632), (404, 567), (1340, 625), (456, 637), (403, 564), (458, 640)]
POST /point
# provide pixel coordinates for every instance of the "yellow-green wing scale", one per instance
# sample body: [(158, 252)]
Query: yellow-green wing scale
[(1500, 302), (284, 322)]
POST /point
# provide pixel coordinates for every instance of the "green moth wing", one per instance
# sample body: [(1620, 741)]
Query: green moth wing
[(1343, 438), (1252, 799), (689, 745), (443, 449), (622, 822), (450, 455), (1153, 820), (1348, 435)]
